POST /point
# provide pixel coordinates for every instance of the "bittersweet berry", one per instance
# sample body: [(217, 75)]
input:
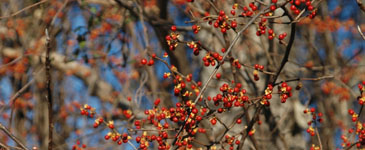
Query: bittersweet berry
[(213, 121), (173, 28), (218, 76), (144, 61), (238, 121)]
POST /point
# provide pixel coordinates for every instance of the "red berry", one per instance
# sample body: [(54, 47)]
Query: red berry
[(233, 12), (176, 91), (107, 137), (354, 119), (223, 30), (96, 125), (268, 96), (297, 11), (271, 31), (272, 7), (351, 112), (297, 2), (257, 66), (111, 126), (138, 139), (261, 67), (238, 121), (157, 101), (223, 50), (254, 7), (213, 121), (292, 7), (151, 62), (233, 24), (308, 3), (194, 27), (250, 133), (194, 111), (173, 28), (270, 37), (281, 37), (218, 75), (216, 24), (221, 13), (274, 1), (144, 61), (249, 13)]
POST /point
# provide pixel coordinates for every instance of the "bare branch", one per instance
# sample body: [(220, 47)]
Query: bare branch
[(49, 91), (24, 9), (16, 140), (362, 34)]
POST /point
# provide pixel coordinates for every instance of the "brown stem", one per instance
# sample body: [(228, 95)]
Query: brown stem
[(24, 9), (362, 34), (49, 91), (16, 140)]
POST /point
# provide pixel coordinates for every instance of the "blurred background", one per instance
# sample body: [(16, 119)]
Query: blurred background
[(97, 46)]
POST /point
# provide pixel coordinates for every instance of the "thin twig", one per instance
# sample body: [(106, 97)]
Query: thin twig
[(4, 146), (15, 97), (131, 144), (306, 79), (362, 34), (58, 12), (24, 9), (16, 140), (13, 61), (319, 139), (49, 91)]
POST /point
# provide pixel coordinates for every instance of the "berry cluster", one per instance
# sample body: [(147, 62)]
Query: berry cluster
[(145, 62), (231, 96), (359, 128), (211, 58), (316, 118), (256, 71), (268, 95), (114, 135), (87, 110), (361, 98), (78, 146), (145, 140), (195, 28), (117, 137), (172, 39), (314, 147), (295, 4), (195, 46), (236, 63), (231, 140), (285, 91), (354, 115), (223, 22)]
